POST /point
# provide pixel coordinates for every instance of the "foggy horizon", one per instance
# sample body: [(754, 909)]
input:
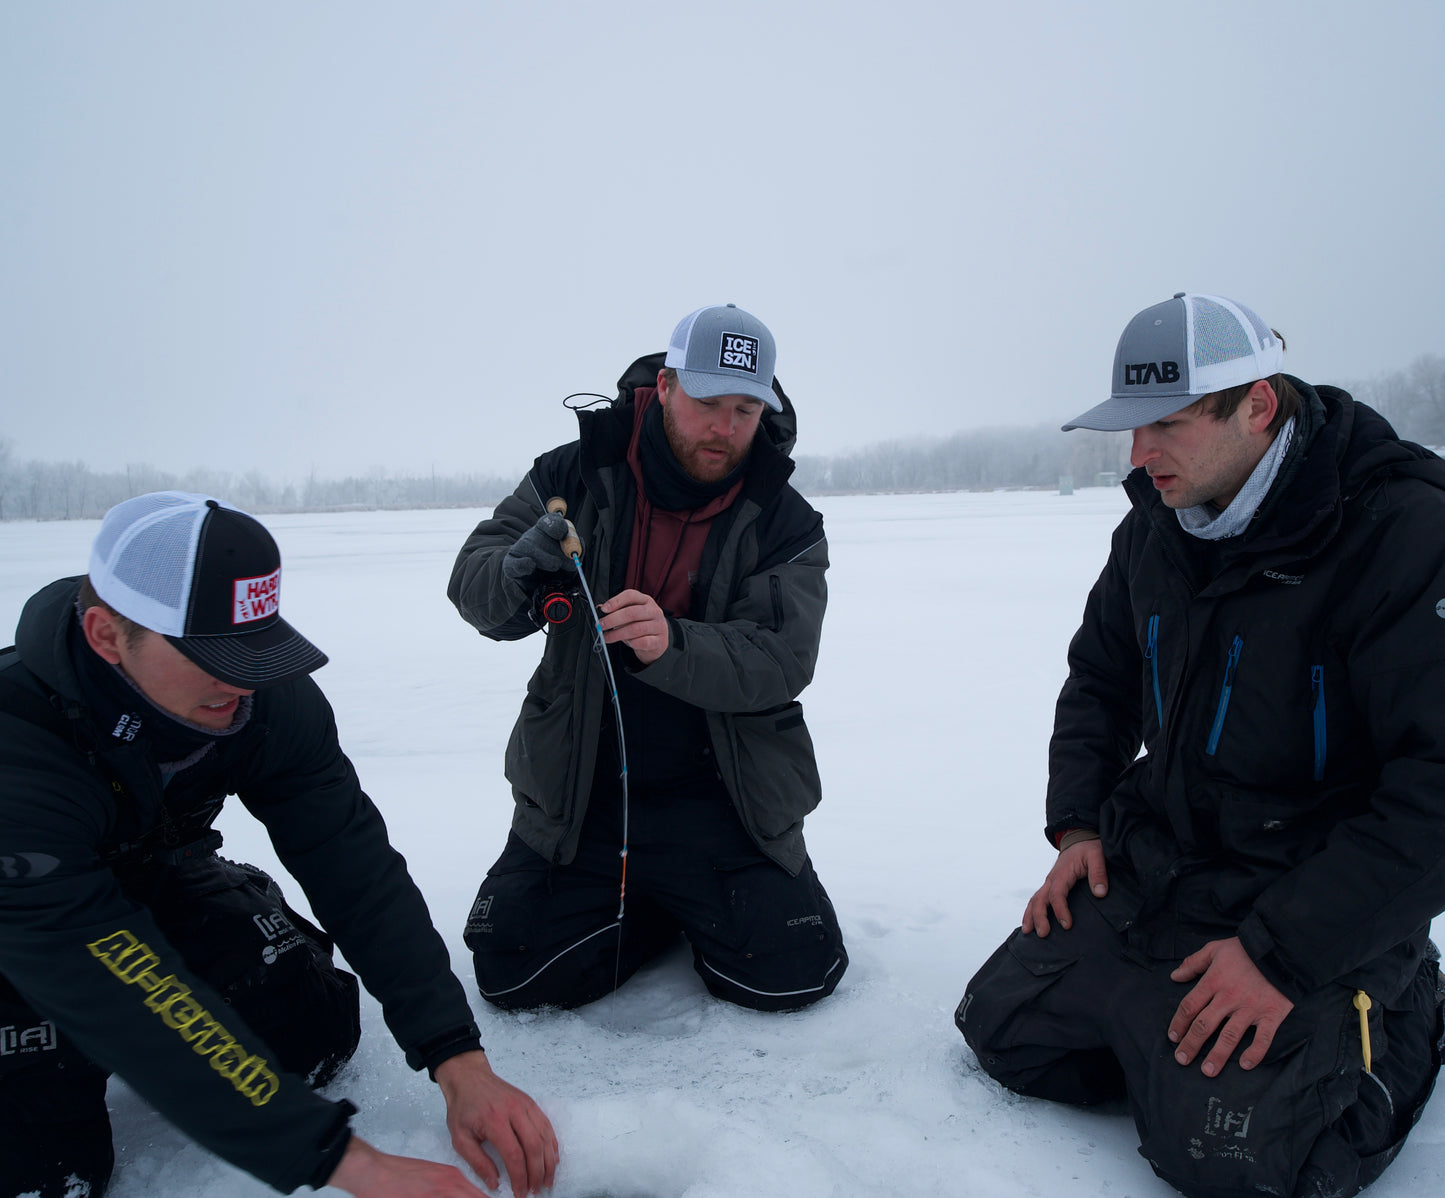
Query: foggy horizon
[(348, 236)]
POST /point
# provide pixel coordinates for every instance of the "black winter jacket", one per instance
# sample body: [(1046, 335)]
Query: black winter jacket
[(90, 957), (1288, 689), (746, 652)]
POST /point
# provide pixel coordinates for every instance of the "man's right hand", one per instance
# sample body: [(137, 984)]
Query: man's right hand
[(368, 1172), (537, 551), (1077, 862)]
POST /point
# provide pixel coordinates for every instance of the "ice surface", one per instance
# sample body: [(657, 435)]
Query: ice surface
[(942, 655)]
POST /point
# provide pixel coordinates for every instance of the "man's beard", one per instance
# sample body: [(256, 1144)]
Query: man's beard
[(689, 455)]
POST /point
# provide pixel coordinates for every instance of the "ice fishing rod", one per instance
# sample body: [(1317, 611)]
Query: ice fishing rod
[(572, 547)]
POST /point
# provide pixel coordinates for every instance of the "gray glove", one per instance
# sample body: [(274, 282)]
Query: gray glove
[(537, 551)]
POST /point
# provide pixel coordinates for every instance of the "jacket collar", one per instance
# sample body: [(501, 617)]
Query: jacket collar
[(604, 433), (1343, 448)]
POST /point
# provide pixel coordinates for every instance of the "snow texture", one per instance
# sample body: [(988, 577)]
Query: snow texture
[(942, 655)]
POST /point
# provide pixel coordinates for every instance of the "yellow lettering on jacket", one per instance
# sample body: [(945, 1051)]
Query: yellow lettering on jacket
[(133, 962)]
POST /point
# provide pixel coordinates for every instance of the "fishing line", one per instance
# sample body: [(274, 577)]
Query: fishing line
[(572, 547)]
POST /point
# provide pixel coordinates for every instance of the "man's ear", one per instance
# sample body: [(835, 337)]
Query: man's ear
[(1262, 405), (102, 634), (662, 390)]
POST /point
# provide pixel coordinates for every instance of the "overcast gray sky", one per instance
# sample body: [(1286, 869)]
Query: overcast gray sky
[(335, 236)]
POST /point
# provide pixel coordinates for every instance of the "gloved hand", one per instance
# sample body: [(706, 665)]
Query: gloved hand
[(537, 551)]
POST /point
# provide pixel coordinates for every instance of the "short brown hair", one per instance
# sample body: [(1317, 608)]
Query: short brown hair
[(670, 375), (1224, 404), (134, 633)]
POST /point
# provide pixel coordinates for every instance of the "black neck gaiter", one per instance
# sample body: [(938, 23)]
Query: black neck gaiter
[(669, 487), (124, 713)]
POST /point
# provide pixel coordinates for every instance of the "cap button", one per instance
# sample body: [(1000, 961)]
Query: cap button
[(1179, 295), (212, 504), (731, 305)]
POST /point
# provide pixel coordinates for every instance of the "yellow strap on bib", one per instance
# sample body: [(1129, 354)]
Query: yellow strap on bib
[(1362, 1004)]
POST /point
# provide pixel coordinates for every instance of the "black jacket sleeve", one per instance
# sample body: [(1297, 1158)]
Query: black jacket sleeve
[(1097, 721), (488, 601), (333, 841)]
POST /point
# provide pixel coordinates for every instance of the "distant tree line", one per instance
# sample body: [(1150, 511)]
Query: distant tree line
[(981, 459), (978, 460), (1413, 399), (72, 490)]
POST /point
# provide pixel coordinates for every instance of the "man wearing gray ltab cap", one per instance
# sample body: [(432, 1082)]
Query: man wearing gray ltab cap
[(1247, 959), (135, 700)]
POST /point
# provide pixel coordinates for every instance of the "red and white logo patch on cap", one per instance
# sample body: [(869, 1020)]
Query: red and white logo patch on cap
[(257, 598)]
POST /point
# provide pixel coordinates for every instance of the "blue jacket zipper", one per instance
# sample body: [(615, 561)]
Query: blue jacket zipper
[(1224, 695), (1151, 655), (1317, 689)]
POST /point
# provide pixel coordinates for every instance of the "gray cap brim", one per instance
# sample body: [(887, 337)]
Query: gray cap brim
[(702, 385), (1117, 415)]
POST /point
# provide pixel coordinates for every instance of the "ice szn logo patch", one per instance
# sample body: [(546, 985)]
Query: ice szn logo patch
[(256, 598), (739, 352)]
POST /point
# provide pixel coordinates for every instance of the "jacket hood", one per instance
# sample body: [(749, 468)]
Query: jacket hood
[(781, 427), (42, 636)]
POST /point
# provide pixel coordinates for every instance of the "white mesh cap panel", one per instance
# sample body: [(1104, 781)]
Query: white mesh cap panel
[(1218, 336), (143, 557), (1228, 345), (677, 344)]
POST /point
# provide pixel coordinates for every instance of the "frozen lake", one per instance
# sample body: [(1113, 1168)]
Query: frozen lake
[(943, 652)]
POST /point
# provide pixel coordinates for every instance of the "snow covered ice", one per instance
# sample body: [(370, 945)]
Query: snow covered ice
[(943, 652)]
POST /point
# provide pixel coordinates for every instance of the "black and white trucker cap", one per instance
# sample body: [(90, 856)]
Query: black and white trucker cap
[(207, 577), (1175, 352)]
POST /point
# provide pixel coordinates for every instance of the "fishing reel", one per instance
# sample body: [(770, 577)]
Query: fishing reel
[(555, 601), (559, 595)]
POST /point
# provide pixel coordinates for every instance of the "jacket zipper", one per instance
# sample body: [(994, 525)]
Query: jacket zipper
[(1151, 655), (1317, 689), (1224, 695)]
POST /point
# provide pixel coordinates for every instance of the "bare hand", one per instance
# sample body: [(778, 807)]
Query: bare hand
[(481, 1107), (369, 1173), (1231, 991), (1082, 860), (635, 619)]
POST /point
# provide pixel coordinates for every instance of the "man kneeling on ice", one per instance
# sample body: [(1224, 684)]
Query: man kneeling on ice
[(1247, 958), (133, 702), (691, 778)]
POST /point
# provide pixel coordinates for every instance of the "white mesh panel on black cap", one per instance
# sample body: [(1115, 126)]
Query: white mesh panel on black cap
[(142, 559)]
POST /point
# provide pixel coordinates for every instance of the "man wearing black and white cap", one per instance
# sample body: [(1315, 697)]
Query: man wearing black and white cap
[(134, 701), (709, 572), (1247, 958)]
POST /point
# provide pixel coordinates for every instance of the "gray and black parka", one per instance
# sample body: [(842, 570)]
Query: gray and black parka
[(742, 655), (1288, 689)]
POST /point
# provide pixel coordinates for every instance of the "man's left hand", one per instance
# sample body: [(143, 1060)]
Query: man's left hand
[(481, 1107), (635, 619), (1231, 992)]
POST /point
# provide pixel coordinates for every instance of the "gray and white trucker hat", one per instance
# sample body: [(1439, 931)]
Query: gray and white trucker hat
[(207, 577), (723, 350), (1175, 352)]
